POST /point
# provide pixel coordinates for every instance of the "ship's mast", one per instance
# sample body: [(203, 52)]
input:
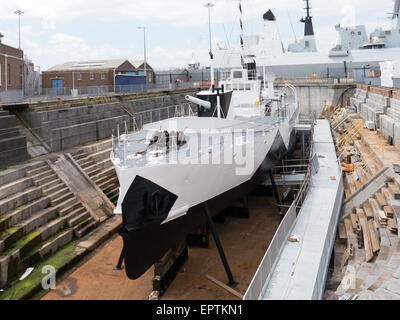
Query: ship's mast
[(396, 9), (241, 32), (308, 29)]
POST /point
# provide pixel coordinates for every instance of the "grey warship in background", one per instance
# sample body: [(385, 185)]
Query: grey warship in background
[(353, 49)]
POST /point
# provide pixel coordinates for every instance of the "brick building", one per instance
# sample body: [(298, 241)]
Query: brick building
[(11, 67), (78, 74)]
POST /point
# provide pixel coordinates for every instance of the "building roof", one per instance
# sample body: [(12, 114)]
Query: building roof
[(89, 65), (138, 63)]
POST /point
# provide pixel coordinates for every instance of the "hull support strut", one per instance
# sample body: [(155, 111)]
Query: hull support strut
[(232, 282)]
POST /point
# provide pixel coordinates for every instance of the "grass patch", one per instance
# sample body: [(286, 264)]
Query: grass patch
[(31, 286)]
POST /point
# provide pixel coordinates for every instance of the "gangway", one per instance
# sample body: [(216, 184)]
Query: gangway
[(298, 270)]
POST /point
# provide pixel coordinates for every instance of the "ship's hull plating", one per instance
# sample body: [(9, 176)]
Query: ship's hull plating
[(145, 244)]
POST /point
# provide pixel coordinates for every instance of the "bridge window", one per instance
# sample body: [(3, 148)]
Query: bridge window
[(237, 75)]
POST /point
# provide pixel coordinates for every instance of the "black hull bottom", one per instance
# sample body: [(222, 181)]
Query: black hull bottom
[(147, 244)]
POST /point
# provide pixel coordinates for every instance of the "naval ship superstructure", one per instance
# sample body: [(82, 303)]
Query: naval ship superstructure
[(353, 49)]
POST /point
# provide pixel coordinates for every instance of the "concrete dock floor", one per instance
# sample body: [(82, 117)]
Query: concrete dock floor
[(244, 240)]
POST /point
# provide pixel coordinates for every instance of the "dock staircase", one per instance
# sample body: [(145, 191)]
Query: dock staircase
[(38, 216)]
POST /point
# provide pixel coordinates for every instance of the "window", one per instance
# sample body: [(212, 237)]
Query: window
[(388, 32), (9, 74), (91, 76), (103, 76), (359, 33), (307, 44), (79, 76), (237, 75)]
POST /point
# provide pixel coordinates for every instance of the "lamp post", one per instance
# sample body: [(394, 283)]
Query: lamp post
[(19, 13), (144, 45), (209, 6)]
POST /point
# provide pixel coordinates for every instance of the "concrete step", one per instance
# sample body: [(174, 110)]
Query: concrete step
[(113, 192), (51, 228), (54, 189), (38, 219), (18, 199), (104, 164), (59, 193), (84, 228), (62, 199), (23, 246), (101, 155), (45, 180), (15, 187), (43, 174), (37, 171), (76, 220), (80, 155), (17, 216), (75, 213), (51, 184), (68, 207), (86, 164), (4, 113), (93, 172), (107, 173), (59, 241), (9, 133), (66, 204)]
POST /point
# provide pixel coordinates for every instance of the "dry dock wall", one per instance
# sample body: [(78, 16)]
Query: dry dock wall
[(380, 105), (314, 97), (65, 128), (13, 147)]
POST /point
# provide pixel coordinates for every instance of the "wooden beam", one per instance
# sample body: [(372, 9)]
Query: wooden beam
[(380, 199), (368, 211), (224, 286), (347, 223), (342, 232), (373, 236), (369, 255)]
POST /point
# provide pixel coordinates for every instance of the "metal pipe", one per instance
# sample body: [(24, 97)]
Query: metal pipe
[(205, 104)]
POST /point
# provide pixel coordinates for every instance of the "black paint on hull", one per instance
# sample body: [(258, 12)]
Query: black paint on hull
[(146, 245)]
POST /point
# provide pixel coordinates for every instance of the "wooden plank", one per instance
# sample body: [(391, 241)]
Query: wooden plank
[(394, 188), (374, 204), (368, 175), (224, 286), (342, 232), (368, 211), (347, 224), (373, 236), (388, 211), (392, 225), (354, 222), (363, 179), (387, 194), (382, 215), (369, 255), (358, 184), (380, 199)]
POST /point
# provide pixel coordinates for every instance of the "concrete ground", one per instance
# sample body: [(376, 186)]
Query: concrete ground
[(245, 242)]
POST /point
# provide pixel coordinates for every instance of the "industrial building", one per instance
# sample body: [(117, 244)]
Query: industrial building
[(77, 74), (11, 67)]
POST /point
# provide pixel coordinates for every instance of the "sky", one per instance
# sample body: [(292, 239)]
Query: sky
[(53, 32)]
